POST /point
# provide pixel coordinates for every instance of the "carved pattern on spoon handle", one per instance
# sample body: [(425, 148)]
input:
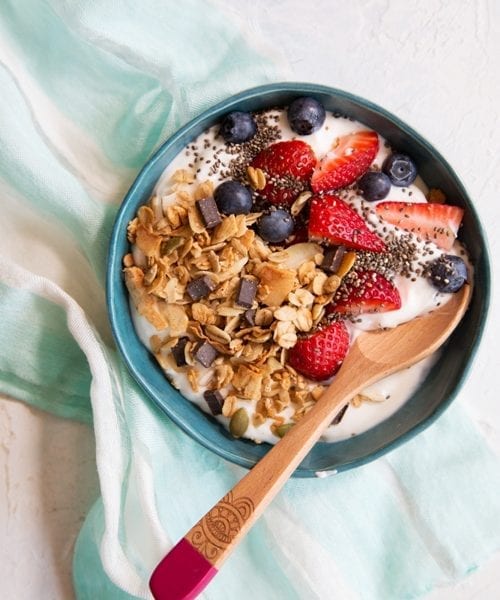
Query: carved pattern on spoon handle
[(220, 526)]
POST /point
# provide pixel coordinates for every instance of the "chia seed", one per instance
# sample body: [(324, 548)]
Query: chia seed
[(244, 153)]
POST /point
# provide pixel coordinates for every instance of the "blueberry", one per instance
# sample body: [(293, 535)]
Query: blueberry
[(238, 127), (374, 185), (276, 226), (448, 273), (400, 169), (232, 198), (306, 115)]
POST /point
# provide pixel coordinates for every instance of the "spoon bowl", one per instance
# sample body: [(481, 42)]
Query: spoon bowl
[(384, 352), (192, 563)]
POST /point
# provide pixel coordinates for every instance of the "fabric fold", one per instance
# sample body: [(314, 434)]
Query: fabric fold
[(89, 91)]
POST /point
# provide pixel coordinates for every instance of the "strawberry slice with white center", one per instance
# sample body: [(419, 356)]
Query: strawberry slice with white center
[(319, 356), (288, 167), (347, 161), (370, 292), (331, 220), (437, 223)]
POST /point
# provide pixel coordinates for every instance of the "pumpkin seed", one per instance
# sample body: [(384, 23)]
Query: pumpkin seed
[(168, 246), (239, 423), (281, 430)]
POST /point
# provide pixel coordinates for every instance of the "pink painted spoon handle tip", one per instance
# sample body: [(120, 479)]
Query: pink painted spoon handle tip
[(182, 574)]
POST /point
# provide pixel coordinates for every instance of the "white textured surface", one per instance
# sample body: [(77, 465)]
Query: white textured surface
[(436, 65), (48, 482)]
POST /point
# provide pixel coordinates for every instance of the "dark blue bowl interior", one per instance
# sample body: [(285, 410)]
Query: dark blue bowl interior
[(443, 382)]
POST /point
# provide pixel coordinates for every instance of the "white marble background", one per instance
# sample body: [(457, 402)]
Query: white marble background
[(436, 65)]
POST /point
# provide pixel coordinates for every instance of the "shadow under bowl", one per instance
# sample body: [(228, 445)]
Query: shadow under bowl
[(445, 378)]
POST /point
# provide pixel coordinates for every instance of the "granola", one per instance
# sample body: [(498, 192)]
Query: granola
[(250, 363)]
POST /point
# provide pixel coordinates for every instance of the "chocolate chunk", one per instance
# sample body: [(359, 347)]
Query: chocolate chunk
[(333, 259), (199, 288), (179, 352), (249, 316), (214, 400), (209, 212), (205, 354), (340, 415), (246, 293)]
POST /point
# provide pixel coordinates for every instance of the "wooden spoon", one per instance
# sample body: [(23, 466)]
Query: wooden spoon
[(191, 564)]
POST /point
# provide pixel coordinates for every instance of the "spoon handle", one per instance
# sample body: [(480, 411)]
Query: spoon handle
[(191, 564)]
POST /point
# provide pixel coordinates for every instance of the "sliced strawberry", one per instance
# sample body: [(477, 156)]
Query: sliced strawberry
[(288, 167), (333, 221), (348, 160), (438, 223), (320, 355), (370, 293)]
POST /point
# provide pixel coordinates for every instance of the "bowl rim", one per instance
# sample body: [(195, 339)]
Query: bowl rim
[(114, 263)]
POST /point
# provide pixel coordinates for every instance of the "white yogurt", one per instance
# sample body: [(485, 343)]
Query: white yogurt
[(418, 297)]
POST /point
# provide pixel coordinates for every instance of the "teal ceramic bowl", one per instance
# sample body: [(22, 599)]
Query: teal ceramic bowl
[(448, 374)]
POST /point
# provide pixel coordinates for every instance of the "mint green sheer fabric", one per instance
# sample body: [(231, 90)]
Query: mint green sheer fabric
[(89, 90)]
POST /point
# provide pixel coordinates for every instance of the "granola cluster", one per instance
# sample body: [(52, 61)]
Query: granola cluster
[(248, 338)]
